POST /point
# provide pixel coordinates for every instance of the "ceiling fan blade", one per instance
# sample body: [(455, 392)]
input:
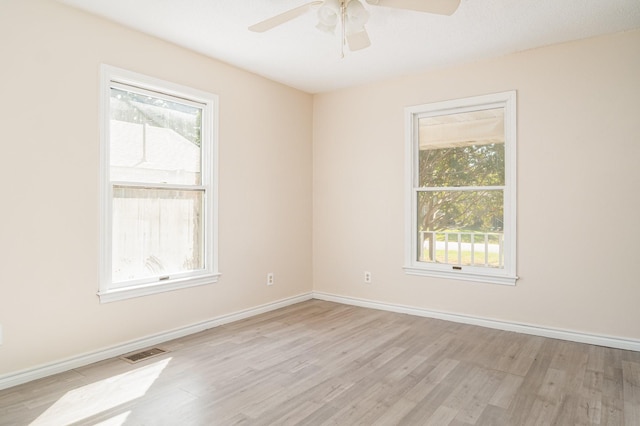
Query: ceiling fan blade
[(280, 19), (359, 40), (439, 7)]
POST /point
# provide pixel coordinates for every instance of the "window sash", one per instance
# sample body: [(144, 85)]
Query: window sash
[(136, 140), (158, 227), (433, 244)]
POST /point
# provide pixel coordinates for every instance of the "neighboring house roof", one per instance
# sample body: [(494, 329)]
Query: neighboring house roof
[(140, 152)]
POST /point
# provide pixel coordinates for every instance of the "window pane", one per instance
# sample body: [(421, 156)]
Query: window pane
[(461, 227), (156, 232), (154, 140), (463, 149)]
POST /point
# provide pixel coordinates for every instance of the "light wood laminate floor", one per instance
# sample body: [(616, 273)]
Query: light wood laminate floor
[(324, 363)]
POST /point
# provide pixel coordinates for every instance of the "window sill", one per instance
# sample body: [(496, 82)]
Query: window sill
[(461, 275), (123, 293)]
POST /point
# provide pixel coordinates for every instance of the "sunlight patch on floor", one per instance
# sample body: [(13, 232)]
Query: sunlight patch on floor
[(95, 398), (116, 420)]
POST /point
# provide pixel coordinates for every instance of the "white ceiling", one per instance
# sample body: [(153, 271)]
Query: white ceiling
[(403, 42)]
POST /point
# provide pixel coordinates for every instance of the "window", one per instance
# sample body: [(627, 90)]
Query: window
[(158, 178), (461, 189)]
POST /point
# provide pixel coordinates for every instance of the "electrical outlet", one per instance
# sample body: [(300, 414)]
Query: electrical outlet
[(270, 278), (367, 277)]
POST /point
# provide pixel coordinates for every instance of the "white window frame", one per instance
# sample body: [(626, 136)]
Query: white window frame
[(506, 275), (116, 77)]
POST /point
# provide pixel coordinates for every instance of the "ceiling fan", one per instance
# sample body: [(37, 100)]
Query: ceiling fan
[(352, 16)]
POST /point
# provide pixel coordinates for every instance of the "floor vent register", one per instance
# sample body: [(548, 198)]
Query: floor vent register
[(142, 355)]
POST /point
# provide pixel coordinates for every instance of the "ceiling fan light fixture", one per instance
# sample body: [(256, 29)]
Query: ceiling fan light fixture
[(331, 29), (328, 15), (356, 17)]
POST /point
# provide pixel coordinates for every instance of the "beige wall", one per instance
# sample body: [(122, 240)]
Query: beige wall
[(49, 74), (578, 188)]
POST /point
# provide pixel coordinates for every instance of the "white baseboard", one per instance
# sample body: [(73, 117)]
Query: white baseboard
[(20, 377), (574, 336)]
